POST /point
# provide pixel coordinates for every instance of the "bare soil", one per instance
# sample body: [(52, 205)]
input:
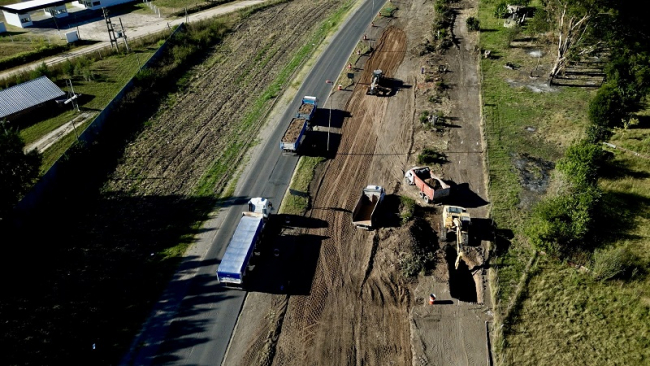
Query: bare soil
[(204, 121), (358, 308)]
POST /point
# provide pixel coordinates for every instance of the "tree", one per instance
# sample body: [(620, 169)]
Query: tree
[(573, 23), (18, 170)]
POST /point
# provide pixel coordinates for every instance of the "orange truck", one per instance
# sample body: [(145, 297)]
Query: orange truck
[(432, 188)]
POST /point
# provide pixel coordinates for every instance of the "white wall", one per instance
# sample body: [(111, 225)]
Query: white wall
[(107, 3), (58, 11), (14, 19)]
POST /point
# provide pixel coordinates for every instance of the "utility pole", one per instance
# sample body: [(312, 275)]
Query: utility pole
[(126, 44), (111, 30), (75, 106), (329, 123)]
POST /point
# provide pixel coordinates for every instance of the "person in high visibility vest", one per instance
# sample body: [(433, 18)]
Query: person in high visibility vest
[(432, 299)]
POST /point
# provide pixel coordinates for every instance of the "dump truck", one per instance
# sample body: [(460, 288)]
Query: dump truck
[(307, 108), (299, 125), (456, 219), (236, 260), (432, 188), (364, 215), (294, 135)]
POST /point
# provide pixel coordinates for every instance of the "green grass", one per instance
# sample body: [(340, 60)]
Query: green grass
[(557, 314), (559, 118), (110, 76), (297, 201), (567, 318)]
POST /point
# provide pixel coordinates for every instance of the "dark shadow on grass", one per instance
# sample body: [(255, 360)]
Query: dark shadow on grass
[(617, 215)]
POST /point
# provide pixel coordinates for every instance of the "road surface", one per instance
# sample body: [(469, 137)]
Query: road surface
[(193, 321)]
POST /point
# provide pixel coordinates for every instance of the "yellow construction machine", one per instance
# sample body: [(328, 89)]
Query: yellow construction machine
[(455, 219), (375, 84)]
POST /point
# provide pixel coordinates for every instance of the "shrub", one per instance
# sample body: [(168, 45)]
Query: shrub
[(501, 10), (511, 34), (539, 22), (431, 156), (473, 24), (581, 162), (407, 209), (561, 224), (606, 108), (613, 263), (424, 116)]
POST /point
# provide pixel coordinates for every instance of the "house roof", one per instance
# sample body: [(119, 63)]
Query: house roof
[(27, 95), (27, 6)]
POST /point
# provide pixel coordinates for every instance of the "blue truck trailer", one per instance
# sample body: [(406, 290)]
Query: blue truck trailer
[(299, 125), (235, 262)]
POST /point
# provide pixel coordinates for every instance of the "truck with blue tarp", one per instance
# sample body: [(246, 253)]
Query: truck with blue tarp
[(235, 262), (299, 125)]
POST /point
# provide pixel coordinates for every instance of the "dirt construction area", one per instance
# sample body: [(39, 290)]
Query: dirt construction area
[(358, 308)]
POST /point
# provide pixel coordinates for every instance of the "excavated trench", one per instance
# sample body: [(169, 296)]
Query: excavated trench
[(461, 281)]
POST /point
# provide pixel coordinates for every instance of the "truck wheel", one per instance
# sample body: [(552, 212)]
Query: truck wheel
[(426, 199)]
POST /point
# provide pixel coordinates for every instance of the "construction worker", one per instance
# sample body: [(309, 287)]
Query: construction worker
[(432, 299)]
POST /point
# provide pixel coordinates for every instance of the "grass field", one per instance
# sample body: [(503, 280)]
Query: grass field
[(556, 313), (109, 77), (554, 119)]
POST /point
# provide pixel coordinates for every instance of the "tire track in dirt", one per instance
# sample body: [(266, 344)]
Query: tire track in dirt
[(329, 326), (204, 121)]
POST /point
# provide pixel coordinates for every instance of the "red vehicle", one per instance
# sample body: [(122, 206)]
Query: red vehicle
[(431, 187)]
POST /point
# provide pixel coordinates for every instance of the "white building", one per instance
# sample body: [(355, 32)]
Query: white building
[(20, 14)]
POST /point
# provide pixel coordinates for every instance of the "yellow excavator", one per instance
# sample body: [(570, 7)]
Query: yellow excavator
[(456, 219)]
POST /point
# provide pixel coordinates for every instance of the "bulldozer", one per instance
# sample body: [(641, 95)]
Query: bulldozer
[(375, 84), (456, 219)]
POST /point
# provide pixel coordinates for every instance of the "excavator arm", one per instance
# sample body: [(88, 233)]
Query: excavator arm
[(459, 239)]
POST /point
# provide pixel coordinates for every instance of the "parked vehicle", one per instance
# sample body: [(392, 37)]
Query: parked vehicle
[(299, 125), (236, 260), (294, 135), (364, 215), (431, 187)]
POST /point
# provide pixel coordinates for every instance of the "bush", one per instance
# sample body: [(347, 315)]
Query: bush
[(473, 24), (606, 108), (561, 224), (501, 10), (407, 209), (430, 156), (539, 22), (615, 263), (581, 162), (424, 116), (511, 34)]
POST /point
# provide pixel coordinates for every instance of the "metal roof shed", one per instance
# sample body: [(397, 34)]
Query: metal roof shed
[(23, 97)]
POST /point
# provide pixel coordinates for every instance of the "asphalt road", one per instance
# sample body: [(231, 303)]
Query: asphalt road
[(201, 313)]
